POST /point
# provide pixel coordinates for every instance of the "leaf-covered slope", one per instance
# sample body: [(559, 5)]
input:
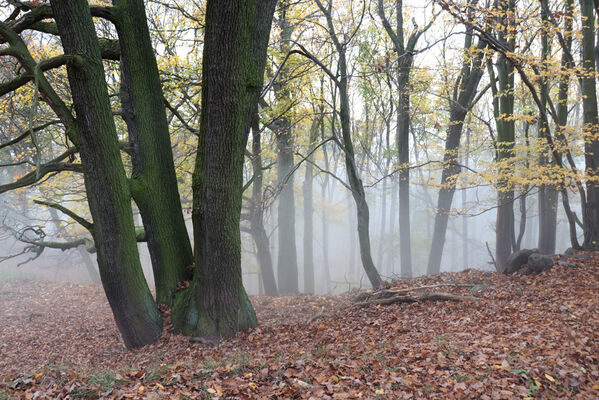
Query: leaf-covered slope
[(526, 336)]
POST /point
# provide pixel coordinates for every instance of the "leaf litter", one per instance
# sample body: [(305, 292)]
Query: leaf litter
[(526, 337)]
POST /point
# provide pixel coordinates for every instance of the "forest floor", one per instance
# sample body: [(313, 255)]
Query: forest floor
[(523, 337)]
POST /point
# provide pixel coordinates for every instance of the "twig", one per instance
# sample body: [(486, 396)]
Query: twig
[(491, 254)]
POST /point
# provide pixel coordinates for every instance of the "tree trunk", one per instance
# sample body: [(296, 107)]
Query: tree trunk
[(134, 309), (504, 227), (591, 121), (153, 181), (287, 270), (403, 143), (309, 211), (258, 63), (216, 302), (354, 179), (465, 90), (257, 215), (548, 194)]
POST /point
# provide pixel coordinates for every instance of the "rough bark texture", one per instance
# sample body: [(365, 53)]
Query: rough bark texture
[(135, 312), (216, 302), (153, 181)]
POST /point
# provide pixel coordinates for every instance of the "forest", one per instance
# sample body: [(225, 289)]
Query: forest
[(244, 174)]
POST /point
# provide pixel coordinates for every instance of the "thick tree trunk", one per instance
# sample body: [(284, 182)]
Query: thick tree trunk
[(216, 303), (403, 143), (153, 181), (134, 309)]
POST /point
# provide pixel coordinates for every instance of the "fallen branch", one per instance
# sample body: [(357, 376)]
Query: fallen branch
[(416, 298), (468, 285), (317, 316)]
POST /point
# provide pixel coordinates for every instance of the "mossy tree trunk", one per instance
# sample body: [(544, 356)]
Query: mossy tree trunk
[(134, 309), (153, 180), (216, 302)]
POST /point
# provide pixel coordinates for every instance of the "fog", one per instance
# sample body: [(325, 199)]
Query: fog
[(337, 262)]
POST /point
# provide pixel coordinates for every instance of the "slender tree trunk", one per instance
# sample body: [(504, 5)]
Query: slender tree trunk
[(403, 143), (591, 124), (465, 90), (153, 181), (108, 195), (257, 215), (383, 228), (504, 228), (465, 237), (258, 63), (355, 182), (309, 211), (548, 194), (90, 267), (562, 116), (287, 256)]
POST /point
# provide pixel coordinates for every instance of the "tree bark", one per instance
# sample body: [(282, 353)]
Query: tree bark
[(216, 302), (134, 309), (153, 180)]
